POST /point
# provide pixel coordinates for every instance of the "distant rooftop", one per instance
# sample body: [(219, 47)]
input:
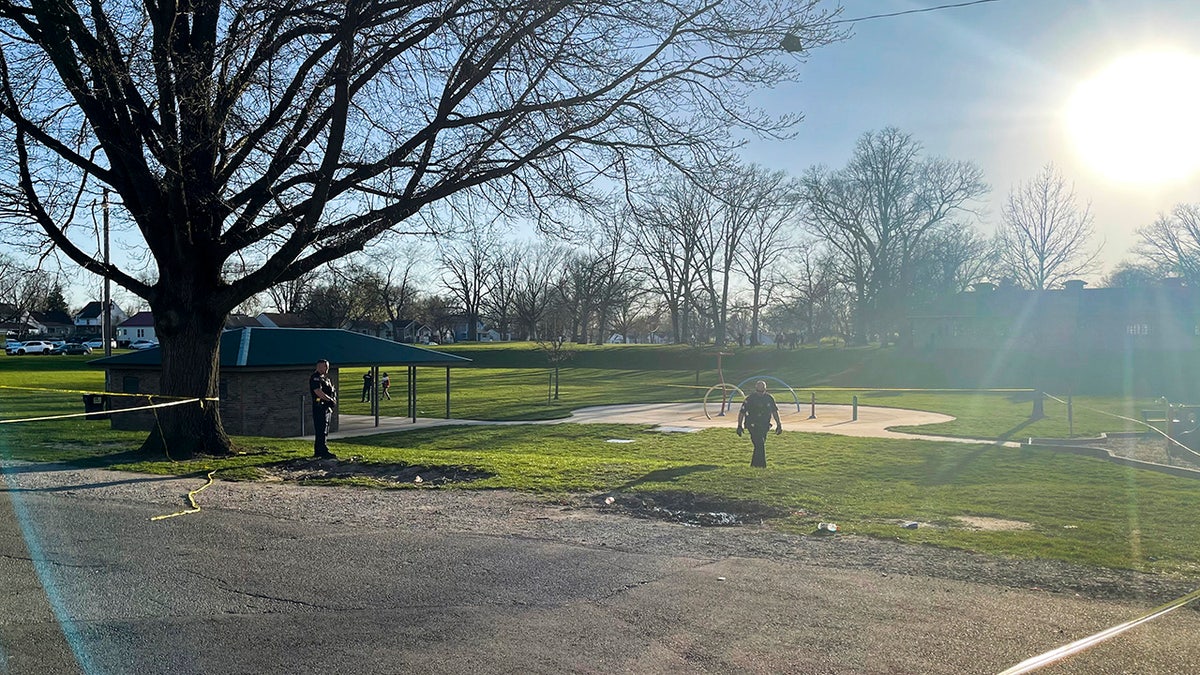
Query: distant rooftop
[(253, 347)]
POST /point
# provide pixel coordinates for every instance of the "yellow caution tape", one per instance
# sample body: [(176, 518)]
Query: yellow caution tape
[(105, 393), (191, 497), (106, 412)]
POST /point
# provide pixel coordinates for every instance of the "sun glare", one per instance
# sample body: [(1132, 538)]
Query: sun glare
[(1138, 119)]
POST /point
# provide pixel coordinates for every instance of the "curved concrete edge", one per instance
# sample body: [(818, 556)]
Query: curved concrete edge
[(1079, 447)]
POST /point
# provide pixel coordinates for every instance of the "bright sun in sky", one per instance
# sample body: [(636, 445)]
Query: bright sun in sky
[(1138, 120)]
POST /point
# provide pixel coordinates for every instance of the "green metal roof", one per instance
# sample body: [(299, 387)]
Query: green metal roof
[(254, 347)]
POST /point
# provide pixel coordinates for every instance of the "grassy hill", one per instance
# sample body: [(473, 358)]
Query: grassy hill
[(1132, 374)]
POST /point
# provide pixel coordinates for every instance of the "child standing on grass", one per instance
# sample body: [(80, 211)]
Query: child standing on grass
[(387, 384)]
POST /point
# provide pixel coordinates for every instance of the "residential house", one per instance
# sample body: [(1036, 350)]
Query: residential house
[(377, 329), (140, 326), (242, 321), (412, 332), (90, 319), (458, 329), (282, 320), (56, 325), (16, 322), (1133, 341)]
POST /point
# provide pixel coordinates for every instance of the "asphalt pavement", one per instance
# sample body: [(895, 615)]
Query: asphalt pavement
[(289, 579)]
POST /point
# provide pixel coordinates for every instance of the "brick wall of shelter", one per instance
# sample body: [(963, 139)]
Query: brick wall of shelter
[(271, 403)]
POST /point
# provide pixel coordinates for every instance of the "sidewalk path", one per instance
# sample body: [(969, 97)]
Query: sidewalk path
[(873, 422)]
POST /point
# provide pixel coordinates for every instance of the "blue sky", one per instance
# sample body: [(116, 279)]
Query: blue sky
[(986, 83)]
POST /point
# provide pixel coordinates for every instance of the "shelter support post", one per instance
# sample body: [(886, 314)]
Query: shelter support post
[(375, 393), (412, 398), (447, 392)]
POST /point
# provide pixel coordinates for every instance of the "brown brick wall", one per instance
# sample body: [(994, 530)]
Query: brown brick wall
[(253, 403)]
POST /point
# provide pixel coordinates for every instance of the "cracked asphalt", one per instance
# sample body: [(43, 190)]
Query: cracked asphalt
[(272, 578)]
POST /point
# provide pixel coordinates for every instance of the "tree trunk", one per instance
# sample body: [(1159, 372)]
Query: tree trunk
[(754, 316), (189, 339)]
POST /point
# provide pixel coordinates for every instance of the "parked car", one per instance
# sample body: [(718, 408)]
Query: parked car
[(11, 344), (73, 348), (99, 344), (31, 347), (143, 344)]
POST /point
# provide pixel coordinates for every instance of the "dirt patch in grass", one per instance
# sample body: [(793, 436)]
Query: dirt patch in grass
[(303, 470), (688, 508), (997, 524)]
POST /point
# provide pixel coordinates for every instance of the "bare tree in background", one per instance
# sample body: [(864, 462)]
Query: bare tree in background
[(540, 266), (878, 213), (811, 275), (466, 270), (1171, 244), (770, 200), (295, 133), (668, 224), (397, 273), (1129, 274), (504, 277), (1046, 236), (289, 297)]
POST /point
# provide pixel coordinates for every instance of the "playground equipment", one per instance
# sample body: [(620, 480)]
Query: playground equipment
[(728, 390)]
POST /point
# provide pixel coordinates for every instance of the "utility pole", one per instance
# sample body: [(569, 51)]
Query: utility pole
[(106, 330)]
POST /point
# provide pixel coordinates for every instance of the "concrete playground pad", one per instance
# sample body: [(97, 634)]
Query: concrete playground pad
[(832, 419)]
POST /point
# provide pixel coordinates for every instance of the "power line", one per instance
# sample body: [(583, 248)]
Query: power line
[(913, 11)]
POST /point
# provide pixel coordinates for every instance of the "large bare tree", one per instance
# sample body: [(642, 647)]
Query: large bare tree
[(1046, 237), (669, 223), (770, 200), (1171, 244), (294, 133), (879, 212)]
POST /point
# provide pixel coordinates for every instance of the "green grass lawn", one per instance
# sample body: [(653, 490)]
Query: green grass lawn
[(1074, 508)]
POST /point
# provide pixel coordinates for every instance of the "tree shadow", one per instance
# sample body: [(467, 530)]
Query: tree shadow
[(666, 475), (951, 472), (1002, 438)]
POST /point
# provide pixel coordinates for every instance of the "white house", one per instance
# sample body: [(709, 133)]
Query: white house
[(91, 317), (140, 326)]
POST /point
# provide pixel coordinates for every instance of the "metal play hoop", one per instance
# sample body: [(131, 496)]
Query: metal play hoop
[(723, 387), (775, 379)]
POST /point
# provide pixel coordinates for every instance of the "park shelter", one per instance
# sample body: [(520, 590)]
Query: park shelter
[(264, 376)]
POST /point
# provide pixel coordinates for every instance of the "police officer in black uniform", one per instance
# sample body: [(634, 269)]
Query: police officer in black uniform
[(324, 397), (756, 413)]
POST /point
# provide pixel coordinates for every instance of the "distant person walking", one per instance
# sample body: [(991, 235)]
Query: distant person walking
[(387, 386), (755, 415), (324, 398), (368, 383)]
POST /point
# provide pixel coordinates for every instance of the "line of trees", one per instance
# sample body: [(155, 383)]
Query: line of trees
[(739, 253)]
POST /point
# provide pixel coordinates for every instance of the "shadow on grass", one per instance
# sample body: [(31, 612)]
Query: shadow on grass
[(952, 472), (1004, 437), (666, 475)]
